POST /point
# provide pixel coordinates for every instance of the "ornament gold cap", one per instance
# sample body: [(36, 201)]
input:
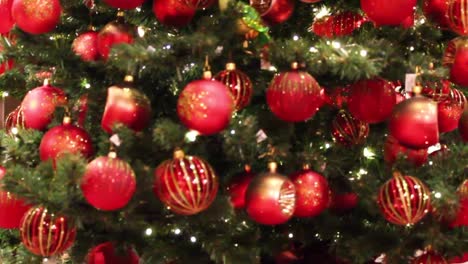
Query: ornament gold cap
[(46, 82), (306, 166), (128, 78), (112, 154), (207, 75), (396, 174), (417, 89), (428, 248), (273, 166), (120, 14), (67, 120), (179, 154), (295, 65), (247, 168), (230, 66)]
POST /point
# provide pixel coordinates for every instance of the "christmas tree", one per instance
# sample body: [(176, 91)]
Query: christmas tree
[(203, 131)]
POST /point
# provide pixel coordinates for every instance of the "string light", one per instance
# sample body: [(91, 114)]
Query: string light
[(177, 231), (5, 94), (193, 239), (191, 136), (368, 153), (148, 231), (291, 235), (141, 31), (438, 195), (363, 53), (336, 44), (295, 37)]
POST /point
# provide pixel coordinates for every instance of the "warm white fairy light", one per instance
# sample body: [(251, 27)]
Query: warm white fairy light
[(291, 235), (141, 31), (368, 153), (363, 53), (177, 231), (233, 132), (438, 195), (327, 145), (192, 135), (336, 44), (5, 94), (148, 231), (193, 239), (313, 50), (295, 37), (14, 131)]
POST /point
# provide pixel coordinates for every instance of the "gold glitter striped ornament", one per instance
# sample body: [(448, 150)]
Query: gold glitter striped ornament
[(238, 83), (458, 16), (348, 130)]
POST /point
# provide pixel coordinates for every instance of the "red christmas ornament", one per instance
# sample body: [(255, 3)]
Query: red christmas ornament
[(63, 139), (294, 96), (404, 200), (372, 101), (286, 257), (46, 234), (12, 209), (459, 260), (408, 22), (270, 198), (115, 32), (238, 83), (124, 4), (345, 23), (36, 16), (429, 257), (348, 130), (461, 219), (205, 105), (344, 201), (39, 105), (127, 106), (273, 11), (105, 253), (393, 149), (312, 193), (438, 91), (457, 16), (435, 11), (198, 4), (186, 184), (391, 13), (173, 12), (238, 187), (7, 22), (108, 183), (459, 68), (323, 27), (450, 111), (414, 123), (86, 46), (463, 125), (15, 119)]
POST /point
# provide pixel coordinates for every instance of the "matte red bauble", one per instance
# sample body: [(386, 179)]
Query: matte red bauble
[(108, 183), (436, 12), (344, 201), (187, 185), (198, 4), (312, 193), (106, 253), (238, 83), (414, 123), (12, 209), (391, 13), (429, 257), (348, 130), (115, 32), (463, 125), (15, 119), (36, 16), (86, 46), (457, 16), (124, 4), (393, 149), (238, 187), (64, 139), (294, 96), (271, 198), (273, 11), (372, 100), (126, 106), (173, 12), (46, 234), (459, 68), (404, 200), (7, 22), (205, 105), (39, 105)]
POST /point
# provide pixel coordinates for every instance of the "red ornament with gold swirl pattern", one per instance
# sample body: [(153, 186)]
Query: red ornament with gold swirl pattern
[(46, 234), (404, 200), (185, 184), (348, 130), (238, 83), (458, 16), (15, 119)]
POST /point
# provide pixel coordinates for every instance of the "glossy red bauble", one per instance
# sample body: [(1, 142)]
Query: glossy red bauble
[(459, 68), (459, 260), (408, 22), (312, 193), (205, 106), (64, 139), (12, 209), (187, 185), (106, 253), (457, 16), (372, 100), (108, 183), (463, 125), (344, 201), (274, 11), (294, 96), (86, 46), (126, 106), (348, 130), (436, 11), (450, 111), (323, 27), (393, 149), (36, 16), (391, 13), (429, 257), (414, 123), (124, 4), (7, 22), (342, 24), (173, 12), (46, 234), (115, 32), (238, 83), (198, 4), (39, 106), (238, 187)]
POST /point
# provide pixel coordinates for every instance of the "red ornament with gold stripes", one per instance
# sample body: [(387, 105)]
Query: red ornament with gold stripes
[(429, 257), (187, 185), (458, 16), (15, 119), (404, 200), (12, 209), (348, 130), (46, 234), (238, 83)]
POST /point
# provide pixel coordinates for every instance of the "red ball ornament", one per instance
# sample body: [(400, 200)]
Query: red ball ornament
[(15, 119), (286, 257), (186, 184), (312, 193), (115, 32), (124, 4), (273, 11), (414, 123), (108, 183), (429, 257), (39, 105), (345, 23), (408, 22), (344, 201), (348, 130), (238, 83), (463, 125), (393, 149), (46, 234), (173, 13), (459, 260), (238, 187), (461, 218), (391, 13), (436, 11), (126, 106), (12, 209), (323, 27), (270, 198), (459, 68), (7, 22), (372, 100), (105, 253), (86, 46), (198, 4), (36, 16), (457, 16), (294, 96), (404, 200), (205, 105), (63, 139), (450, 111)]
